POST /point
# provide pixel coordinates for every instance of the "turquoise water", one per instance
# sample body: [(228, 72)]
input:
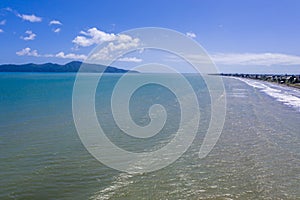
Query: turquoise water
[(42, 157)]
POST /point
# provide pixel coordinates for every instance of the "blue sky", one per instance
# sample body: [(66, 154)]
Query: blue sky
[(240, 36)]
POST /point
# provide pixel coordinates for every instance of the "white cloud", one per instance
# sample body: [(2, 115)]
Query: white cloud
[(30, 18), (55, 22), (3, 22), (242, 59), (130, 59), (28, 52), (113, 49), (266, 59), (93, 36), (115, 43), (57, 30), (71, 56), (1, 31), (191, 35), (30, 36)]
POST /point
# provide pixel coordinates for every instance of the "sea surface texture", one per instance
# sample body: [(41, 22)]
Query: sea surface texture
[(42, 157)]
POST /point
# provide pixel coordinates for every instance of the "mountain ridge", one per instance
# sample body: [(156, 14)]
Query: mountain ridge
[(72, 66)]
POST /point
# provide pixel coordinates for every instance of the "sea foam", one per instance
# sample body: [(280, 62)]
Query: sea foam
[(288, 96)]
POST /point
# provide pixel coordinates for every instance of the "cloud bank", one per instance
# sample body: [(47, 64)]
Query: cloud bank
[(242, 59), (130, 59), (28, 52), (259, 59)]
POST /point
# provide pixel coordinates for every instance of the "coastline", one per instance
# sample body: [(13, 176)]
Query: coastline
[(283, 80)]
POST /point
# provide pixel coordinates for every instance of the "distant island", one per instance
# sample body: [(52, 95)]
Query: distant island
[(73, 66), (289, 80)]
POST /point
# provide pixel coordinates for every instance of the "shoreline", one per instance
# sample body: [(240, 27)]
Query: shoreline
[(284, 80)]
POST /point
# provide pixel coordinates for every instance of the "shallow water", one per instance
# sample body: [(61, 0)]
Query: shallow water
[(42, 157)]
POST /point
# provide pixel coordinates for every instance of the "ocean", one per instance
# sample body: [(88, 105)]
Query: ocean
[(42, 157)]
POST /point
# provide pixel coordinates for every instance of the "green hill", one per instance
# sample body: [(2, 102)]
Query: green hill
[(69, 67)]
